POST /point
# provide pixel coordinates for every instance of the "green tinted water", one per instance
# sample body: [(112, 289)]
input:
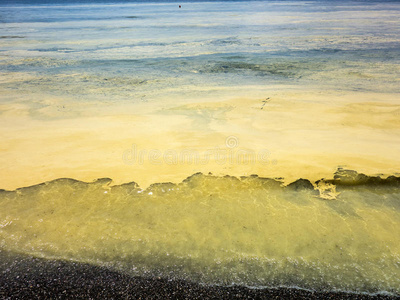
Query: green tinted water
[(219, 230)]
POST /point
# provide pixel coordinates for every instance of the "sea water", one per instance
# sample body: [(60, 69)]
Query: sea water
[(150, 92), (218, 230), (312, 83)]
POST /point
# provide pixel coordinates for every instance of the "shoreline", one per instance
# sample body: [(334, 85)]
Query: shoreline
[(25, 277)]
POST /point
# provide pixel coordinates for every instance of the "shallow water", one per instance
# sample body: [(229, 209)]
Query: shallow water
[(153, 93), (218, 230)]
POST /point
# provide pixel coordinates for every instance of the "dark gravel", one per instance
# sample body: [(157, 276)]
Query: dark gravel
[(24, 277)]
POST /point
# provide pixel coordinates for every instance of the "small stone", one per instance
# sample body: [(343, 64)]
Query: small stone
[(300, 184)]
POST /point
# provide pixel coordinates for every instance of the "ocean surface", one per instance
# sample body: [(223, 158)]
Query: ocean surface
[(248, 96)]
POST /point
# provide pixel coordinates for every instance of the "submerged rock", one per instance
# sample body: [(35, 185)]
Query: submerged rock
[(300, 185)]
